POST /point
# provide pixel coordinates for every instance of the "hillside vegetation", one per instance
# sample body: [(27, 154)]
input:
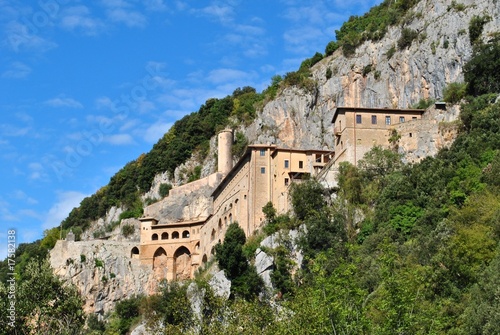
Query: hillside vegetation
[(395, 249)]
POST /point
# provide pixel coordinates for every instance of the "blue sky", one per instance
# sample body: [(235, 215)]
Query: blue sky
[(86, 87)]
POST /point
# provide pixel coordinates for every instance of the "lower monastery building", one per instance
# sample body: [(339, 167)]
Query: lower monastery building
[(264, 173)]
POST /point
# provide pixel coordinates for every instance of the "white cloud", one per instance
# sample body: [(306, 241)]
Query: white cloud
[(13, 131), (219, 76), (20, 38), (78, 17), (128, 17), (156, 131), (17, 70), (63, 102), (37, 171), (222, 13), (119, 139), (155, 5), (20, 195), (66, 201), (303, 40)]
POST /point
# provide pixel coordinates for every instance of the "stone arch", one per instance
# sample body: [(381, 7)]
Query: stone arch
[(204, 259), (230, 218), (197, 246), (154, 237), (185, 234), (182, 263), (134, 253), (164, 236), (225, 221), (160, 258), (175, 235), (220, 225), (212, 251)]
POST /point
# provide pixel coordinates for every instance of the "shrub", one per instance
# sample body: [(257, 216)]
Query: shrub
[(390, 52), (482, 72), (454, 92), (165, 189), (98, 263), (328, 73), (423, 104), (331, 47), (367, 69), (128, 230), (407, 37), (476, 26), (83, 259)]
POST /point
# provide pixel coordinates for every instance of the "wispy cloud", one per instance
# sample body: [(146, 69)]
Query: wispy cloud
[(19, 37), (119, 139), (222, 13), (66, 201), (156, 131), (79, 18), (17, 70), (63, 102), (130, 18)]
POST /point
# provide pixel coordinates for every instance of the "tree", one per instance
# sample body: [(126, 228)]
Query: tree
[(482, 71), (307, 198), (245, 281), (44, 304)]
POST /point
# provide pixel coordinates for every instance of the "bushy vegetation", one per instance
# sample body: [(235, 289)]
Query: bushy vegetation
[(373, 25)]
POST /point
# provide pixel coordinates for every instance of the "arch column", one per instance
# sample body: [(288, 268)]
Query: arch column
[(170, 268)]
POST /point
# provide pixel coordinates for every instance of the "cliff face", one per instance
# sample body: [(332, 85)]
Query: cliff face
[(374, 78), (103, 271)]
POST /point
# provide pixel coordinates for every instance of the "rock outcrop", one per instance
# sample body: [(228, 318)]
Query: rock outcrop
[(103, 271)]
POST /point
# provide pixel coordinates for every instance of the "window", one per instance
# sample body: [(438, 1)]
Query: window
[(287, 163), (358, 119), (374, 119), (154, 237), (287, 181), (175, 235), (387, 120), (262, 152), (262, 170), (358, 141), (401, 119), (414, 118), (301, 164)]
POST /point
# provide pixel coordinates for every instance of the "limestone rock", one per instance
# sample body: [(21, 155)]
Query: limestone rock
[(220, 285)]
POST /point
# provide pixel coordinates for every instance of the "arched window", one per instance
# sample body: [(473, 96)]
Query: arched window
[(212, 237), (134, 253), (175, 235), (197, 246), (154, 237), (204, 259), (164, 236), (230, 218), (220, 225), (225, 221), (185, 234)]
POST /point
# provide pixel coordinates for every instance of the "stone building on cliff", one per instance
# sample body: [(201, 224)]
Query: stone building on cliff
[(175, 249)]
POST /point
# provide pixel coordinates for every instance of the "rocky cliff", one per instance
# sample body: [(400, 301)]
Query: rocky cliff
[(377, 75)]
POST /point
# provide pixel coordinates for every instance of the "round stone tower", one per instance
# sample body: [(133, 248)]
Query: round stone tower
[(225, 157)]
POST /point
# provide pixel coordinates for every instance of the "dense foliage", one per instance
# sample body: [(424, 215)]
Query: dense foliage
[(246, 283)]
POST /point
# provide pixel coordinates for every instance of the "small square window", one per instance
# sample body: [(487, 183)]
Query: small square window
[(301, 164), (358, 119), (414, 118), (262, 152), (374, 119), (387, 120), (287, 163), (401, 119), (262, 170)]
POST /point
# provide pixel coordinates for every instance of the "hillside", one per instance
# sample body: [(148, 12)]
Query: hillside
[(395, 248)]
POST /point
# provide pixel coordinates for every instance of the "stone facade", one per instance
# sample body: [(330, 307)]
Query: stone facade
[(357, 130), (176, 248)]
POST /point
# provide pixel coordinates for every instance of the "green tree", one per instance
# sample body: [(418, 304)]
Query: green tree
[(44, 304), (244, 280)]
